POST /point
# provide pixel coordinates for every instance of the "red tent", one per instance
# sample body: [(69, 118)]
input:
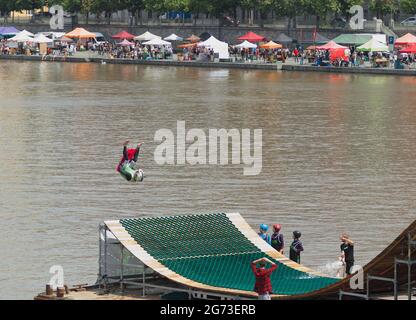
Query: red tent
[(252, 37), (123, 35), (331, 45), (406, 40), (409, 49)]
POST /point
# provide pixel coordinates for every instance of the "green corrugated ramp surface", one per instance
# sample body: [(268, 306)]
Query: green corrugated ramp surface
[(209, 249)]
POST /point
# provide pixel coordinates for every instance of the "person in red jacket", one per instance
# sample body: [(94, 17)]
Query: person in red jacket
[(263, 285), (126, 166)]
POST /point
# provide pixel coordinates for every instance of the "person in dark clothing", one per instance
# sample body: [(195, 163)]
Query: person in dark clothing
[(277, 240), (126, 166), (263, 286), (296, 247), (347, 252)]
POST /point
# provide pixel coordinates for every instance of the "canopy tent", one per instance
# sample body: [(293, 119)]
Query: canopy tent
[(373, 45), (80, 33), (409, 49), (313, 47), (65, 39), (125, 43), (338, 53), (252, 37), (217, 46), (282, 38), (21, 37), (173, 37), (157, 42), (52, 35), (331, 45), (40, 38), (271, 45), (193, 38), (123, 35), (318, 39), (28, 33), (8, 31), (352, 39), (187, 45), (406, 40), (147, 36), (246, 45), (204, 36)]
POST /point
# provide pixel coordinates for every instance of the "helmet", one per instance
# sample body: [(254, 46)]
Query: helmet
[(138, 175), (297, 234), (264, 227), (277, 227)]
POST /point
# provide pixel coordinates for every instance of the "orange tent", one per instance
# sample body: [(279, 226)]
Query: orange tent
[(271, 45), (188, 45), (406, 40), (80, 33), (193, 38)]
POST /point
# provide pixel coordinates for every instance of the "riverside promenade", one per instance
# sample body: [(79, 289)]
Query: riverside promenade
[(289, 66)]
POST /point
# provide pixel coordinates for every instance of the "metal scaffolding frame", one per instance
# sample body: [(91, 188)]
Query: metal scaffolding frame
[(409, 262)]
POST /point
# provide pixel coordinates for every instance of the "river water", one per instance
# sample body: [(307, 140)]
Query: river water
[(338, 155)]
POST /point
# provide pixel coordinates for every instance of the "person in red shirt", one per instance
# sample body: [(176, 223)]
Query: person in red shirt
[(263, 285), (126, 166)]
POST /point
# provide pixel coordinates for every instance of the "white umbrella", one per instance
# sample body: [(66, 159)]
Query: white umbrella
[(42, 39), (173, 37), (21, 37), (157, 42), (246, 45), (147, 36)]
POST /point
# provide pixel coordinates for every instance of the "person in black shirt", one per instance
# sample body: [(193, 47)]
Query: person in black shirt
[(347, 252), (296, 247)]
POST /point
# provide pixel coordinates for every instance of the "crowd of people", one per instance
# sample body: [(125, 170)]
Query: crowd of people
[(138, 51), (263, 285)]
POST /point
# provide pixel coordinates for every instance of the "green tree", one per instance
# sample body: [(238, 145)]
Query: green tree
[(321, 8), (344, 6), (408, 6), (135, 7), (383, 7)]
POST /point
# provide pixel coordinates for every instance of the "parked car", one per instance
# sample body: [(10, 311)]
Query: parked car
[(409, 21)]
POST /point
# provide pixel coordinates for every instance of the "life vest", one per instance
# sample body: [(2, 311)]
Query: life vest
[(276, 241), (265, 237)]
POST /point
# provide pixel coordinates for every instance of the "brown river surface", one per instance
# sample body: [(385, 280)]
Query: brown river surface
[(338, 155)]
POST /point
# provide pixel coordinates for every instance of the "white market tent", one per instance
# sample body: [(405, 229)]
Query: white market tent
[(246, 45), (373, 45), (40, 38), (217, 46), (157, 42), (28, 33), (21, 37), (147, 36), (173, 37)]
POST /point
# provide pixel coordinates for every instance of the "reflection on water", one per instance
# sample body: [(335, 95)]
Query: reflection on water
[(338, 155)]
